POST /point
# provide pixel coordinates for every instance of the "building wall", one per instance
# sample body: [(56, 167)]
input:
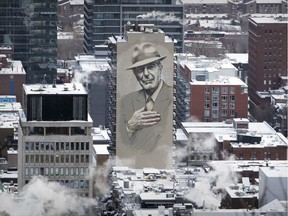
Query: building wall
[(230, 104), (153, 140), (11, 84), (272, 186), (266, 153), (267, 56), (103, 20)]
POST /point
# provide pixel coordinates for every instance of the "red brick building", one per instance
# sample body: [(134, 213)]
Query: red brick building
[(219, 100), (12, 75), (267, 53)]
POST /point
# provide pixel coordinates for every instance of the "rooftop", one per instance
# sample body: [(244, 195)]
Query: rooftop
[(222, 80), (15, 68), (60, 89), (237, 57), (271, 18), (278, 172)]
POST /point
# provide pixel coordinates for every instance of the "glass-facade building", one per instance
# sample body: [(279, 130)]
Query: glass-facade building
[(30, 28), (104, 18)]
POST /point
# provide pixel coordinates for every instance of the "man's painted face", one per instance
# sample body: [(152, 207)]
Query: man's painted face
[(149, 75)]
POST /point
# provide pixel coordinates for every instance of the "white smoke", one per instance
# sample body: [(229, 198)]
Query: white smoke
[(40, 197), (88, 77), (162, 16)]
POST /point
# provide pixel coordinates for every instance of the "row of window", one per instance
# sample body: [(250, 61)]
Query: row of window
[(224, 90), (253, 155), (56, 171), (56, 146), (215, 105), (215, 113), (223, 98), (56, 159)]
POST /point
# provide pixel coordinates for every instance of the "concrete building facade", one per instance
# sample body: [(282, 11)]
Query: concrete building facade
[(55, 138)]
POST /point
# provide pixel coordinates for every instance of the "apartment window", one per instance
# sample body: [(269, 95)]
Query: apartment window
[(27, 171), (26, 158), (264, 82), (232, 90), (62, 160), (51, 158), (82, 171), (61, 171), (215, 98), (232, 106), (215, 90), (32, 159), (46, 158), (214, 105), (76, 171), (71, 171), (207, 98), (66, 171), (66, 158), (224, 106), (232, 97), (36, 158), (41, 158), (224, 98), (71, 183), (82, 146), (86, 158), (67, 146), (47, 171), (56, 171), (232, 113), (207, 90), (87, 146), (224, 90), (207, 105), (71, 158), (27, 146), (206, 112), (224, 113), (214, 113)]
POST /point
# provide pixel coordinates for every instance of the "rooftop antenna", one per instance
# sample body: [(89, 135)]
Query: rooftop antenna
[(43, 84)]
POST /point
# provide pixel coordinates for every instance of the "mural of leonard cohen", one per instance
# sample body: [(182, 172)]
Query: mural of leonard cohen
[(145, 117)]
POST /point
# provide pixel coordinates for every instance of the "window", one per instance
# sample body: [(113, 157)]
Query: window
[(215, 90), (207, 97), (224, 98), (224, 113), (232, 97), (224, 106), (214, 105), (214, 113), (207, 105), (206, 112), (232, 90), (232, 105), (207, 90), (224, 90)]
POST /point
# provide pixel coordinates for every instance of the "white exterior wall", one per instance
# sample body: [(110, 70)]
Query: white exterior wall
[(272, 184)]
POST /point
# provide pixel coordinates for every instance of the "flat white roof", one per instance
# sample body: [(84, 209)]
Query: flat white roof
[(15, 68), (238, 57), (205, 2), (268, 1), (60, 89), (101, 149), (222, 80), (265, 18), (276, 171)]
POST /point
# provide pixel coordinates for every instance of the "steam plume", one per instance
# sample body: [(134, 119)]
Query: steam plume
[(41, 197)]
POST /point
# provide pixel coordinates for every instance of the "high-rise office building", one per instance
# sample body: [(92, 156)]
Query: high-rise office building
[(55, 138), (30, 28), (106, 18), (267, 53)]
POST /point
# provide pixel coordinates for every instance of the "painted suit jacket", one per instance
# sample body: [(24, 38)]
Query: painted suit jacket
[(149, 138)]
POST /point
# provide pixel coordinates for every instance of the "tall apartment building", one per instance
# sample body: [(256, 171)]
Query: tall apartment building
[(55, 138), (209, 90), (30, 28), (145, 47), (106, 18), (267, 53)]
